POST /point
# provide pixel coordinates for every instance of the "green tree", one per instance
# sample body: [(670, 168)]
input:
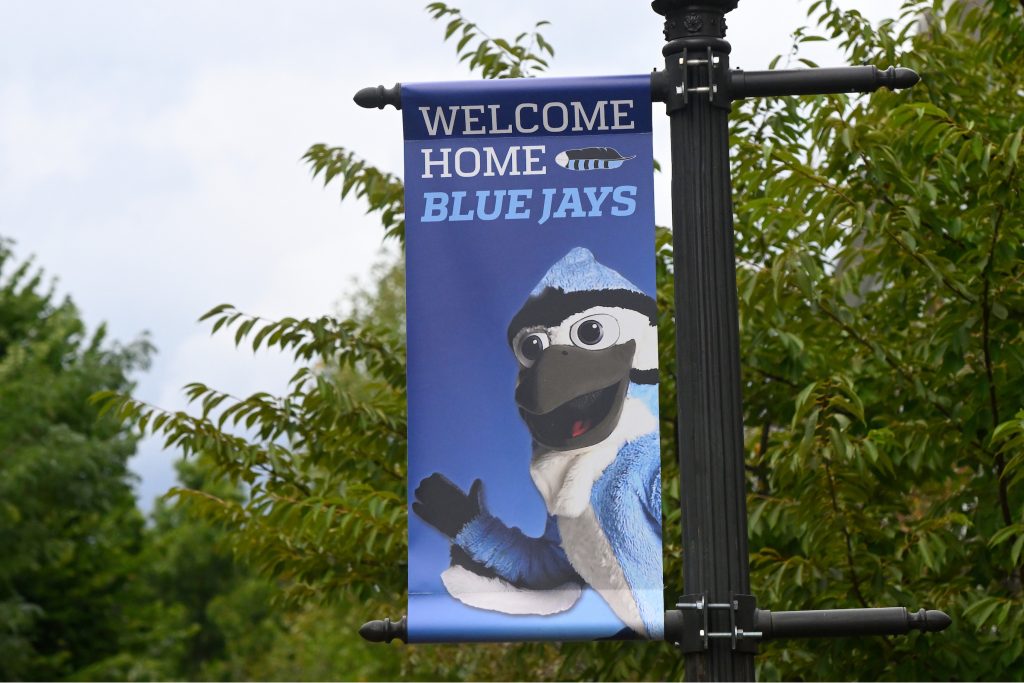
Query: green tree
[(190, 581), (879, 241), (69, 528), (193, 612), (882, 303)]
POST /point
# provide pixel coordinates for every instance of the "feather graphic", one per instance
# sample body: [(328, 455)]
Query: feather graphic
[(590, 159)]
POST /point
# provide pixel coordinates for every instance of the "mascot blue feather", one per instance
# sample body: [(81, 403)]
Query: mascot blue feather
[(586, 343)]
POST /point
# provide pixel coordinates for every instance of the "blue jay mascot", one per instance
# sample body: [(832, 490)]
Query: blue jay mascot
[(586, 343)]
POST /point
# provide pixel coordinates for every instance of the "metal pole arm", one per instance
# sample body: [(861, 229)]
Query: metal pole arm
[(741, 84), (822, 81), (833, 623), (694, 626), (823, 623)]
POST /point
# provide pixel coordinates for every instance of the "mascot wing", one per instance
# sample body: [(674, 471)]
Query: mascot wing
[(501, 569)]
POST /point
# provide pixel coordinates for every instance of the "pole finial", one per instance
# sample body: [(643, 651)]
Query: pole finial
[(384, 630), (929, 621), (379, 96), (898, 77)]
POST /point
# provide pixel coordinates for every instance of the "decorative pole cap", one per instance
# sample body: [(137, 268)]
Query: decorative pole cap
[(689, 19), (665, 7)]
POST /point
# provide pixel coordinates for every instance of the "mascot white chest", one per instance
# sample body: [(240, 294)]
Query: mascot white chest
[(566, 480)]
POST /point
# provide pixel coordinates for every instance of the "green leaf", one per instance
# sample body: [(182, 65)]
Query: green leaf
[(1015, 551), (216, 310)]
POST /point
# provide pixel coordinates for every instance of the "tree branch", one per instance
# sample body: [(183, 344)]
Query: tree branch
[(905, 374), (986, 341), (916, 255), (771, 376), (854, 578), (993, 398)]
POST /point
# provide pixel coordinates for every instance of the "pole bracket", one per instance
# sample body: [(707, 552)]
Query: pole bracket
[(696, 632), (683, 71)]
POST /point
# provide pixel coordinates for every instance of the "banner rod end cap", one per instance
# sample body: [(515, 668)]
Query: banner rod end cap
[(384, 630), (898, 78), (930, 621), (377, 97)]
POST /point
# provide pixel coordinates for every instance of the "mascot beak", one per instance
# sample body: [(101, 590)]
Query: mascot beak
[(572, 397)]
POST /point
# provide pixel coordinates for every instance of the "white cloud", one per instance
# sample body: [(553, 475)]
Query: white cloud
[(41, 145)]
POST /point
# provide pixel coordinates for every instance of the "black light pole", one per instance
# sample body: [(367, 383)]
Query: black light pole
[(718, 624), (710, 411)]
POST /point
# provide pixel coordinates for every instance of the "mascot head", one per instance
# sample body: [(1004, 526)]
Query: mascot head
[(583, 335)]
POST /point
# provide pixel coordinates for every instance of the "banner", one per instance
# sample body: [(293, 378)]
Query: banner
[(534, 467)]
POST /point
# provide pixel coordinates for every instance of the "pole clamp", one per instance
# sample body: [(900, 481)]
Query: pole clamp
[(696, 634), (697, 71)]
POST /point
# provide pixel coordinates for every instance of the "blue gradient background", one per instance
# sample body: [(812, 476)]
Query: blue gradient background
[(465, 281)]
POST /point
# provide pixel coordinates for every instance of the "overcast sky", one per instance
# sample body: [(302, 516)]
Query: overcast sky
[(149, 152)]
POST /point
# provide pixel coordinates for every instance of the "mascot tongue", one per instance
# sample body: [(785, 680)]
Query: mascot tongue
[(580, 427)]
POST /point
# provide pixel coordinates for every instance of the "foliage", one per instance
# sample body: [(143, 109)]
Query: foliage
[(521, 57), (881, 305), (879, 240), (380, 190), (325, 522), (69, 528), (189, 579)]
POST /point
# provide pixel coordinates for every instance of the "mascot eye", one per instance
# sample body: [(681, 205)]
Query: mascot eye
[(595, 332), (590, 332), (529, 347)]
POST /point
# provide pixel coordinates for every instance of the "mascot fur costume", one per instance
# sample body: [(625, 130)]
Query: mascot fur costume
[(586, 342)]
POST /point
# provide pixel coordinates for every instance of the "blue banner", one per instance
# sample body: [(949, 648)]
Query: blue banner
[(534, 466)]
